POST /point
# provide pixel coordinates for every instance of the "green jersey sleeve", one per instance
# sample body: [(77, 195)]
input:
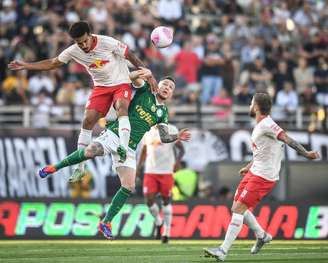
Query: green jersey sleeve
[(143, 88), (165, 117)]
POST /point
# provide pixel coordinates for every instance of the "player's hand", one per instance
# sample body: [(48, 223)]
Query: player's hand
[(177, 166), (312, 155), (144, 73), (243, 171), (184, 135), (17, 65)]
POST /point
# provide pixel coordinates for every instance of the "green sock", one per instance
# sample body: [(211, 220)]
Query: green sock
[(117, 203), (73, 158)]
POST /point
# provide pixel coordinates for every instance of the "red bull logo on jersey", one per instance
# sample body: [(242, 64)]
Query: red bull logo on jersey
[(99, 63)]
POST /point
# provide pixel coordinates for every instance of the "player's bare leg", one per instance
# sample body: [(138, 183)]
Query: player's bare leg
[(127, 177), (235, 226), (154, 210), (124, 128), (262, 237), (167, 219), (90, 119)]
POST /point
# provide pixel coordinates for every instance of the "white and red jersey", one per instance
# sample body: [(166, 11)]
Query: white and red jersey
[(105, 62), (160, 158), (267, 149)]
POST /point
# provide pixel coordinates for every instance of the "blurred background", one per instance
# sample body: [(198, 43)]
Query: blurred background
[(223, 52)]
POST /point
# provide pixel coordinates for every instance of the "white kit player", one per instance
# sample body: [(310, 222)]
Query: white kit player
[(160, 163), (259, 176), (104, 58)]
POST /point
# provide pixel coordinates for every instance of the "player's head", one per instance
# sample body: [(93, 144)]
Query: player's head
[(166, 87), (81, 33), (261, 104)]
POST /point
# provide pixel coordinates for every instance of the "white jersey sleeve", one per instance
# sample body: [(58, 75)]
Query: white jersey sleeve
[(272, 129), (116, 46), (66, 55)]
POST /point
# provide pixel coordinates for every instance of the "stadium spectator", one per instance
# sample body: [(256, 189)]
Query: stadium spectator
[(66, 95), (243, 96), (260, 76), (303, 75), (170, 11), (40, 81), (287, 102), (187, 63), (211, 70), (321, 81), (42, 103), (14, 88), (308, 101), (281, 76), (251, 52), (224, 101)]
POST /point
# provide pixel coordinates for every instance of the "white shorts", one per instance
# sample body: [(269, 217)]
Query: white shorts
[(110, 141)]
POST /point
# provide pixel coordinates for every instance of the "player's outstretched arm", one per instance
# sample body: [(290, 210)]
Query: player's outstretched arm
[(139, 76), (46, 64), (311, 155), (166, 137), (139, 64)]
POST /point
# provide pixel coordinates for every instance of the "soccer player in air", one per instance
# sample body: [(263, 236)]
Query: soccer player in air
[(160, 162), (146, 110), (104, 58), (259, 176)]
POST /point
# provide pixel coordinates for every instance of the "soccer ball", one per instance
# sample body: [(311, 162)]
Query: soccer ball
[(161, 36)]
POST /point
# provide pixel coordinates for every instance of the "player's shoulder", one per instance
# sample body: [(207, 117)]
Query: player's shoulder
[(105, 39), (72, 48), (266, 122)]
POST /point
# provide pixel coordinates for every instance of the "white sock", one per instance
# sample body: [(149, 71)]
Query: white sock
[(251, 222), (167, 218), (124, 129), (154, 210), (234, 228), (83, 141)]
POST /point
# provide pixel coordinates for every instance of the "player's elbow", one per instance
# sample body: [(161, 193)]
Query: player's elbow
[(165, 139)]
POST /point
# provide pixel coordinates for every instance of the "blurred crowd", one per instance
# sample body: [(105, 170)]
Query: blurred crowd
[(223, 50)]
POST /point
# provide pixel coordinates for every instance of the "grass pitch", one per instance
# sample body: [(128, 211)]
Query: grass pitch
[(143, 251)]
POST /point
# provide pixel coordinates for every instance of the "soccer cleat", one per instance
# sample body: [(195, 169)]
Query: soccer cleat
[(157, 232), (165, 239), (260, 242), (106, 230), (76, 176), (215, 252), (45, 171), (122, 153)]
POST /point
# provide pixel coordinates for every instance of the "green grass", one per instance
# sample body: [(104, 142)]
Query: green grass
[(151, 251)]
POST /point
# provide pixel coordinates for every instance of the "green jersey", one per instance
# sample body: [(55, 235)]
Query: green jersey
[(144, 112)]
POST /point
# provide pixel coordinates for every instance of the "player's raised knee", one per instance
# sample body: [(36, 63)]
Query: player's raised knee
[(130, 186), (93, 150)]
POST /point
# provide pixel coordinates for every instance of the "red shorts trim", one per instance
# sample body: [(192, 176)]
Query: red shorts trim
[(252, 189), (158, 183), (102, 98)]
